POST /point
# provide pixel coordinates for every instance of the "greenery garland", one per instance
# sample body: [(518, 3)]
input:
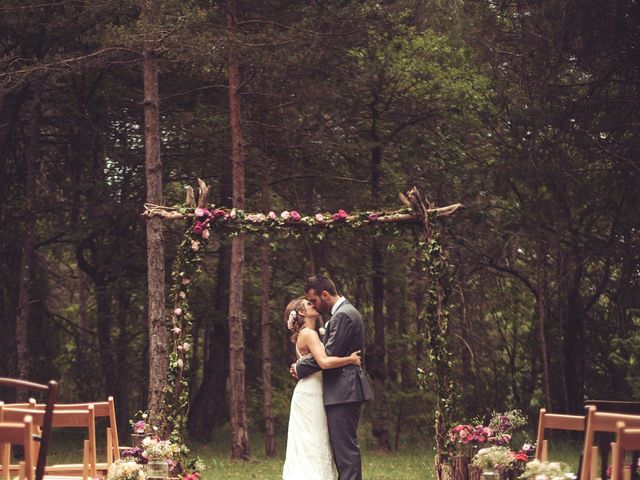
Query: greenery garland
[(438, 271)]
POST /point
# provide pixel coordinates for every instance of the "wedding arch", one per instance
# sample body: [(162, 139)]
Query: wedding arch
[(202, 219)]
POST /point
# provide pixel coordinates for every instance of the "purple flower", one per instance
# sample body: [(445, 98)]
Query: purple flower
[(138, 427)]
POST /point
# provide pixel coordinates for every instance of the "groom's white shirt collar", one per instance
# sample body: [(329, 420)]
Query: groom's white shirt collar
[(340, 301)]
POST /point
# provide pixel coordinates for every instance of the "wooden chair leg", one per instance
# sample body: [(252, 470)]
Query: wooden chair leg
[(109, 448), (593, 468), (85, 460), (544, 452), (5, 458)]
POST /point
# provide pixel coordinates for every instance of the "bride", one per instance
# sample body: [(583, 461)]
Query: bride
[(308, 447)]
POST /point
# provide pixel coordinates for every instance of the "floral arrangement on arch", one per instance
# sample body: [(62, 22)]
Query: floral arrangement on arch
[(205, 218)]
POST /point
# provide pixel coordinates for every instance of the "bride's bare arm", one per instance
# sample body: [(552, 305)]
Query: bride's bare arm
[(314, 345)]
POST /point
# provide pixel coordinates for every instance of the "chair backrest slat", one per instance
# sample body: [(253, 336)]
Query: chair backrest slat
[(65, 418), (555, 421)]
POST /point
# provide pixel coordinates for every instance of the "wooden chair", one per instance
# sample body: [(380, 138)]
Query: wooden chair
[(600, 422), (604, 439), (627, 440), (68, 418), (101, 410), (50, 392), (555, 421), (18, 433)]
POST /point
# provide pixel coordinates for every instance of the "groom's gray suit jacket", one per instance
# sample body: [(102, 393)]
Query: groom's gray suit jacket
[(344, 335)]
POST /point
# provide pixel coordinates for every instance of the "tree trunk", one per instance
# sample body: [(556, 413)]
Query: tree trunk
[(239, 430), (121, 390), (103, 330), (26, 261), (541, 310), (376, 363), (158, 331), (265, 324), (270, 447), (573, 345), (209, 405)]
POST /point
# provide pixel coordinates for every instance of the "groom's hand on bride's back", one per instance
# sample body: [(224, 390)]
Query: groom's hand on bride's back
[(292, 371)]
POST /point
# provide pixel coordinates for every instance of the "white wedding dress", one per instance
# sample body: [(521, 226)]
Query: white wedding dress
[(309, 454)]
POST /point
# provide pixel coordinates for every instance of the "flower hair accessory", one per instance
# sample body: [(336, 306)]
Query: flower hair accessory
[(292, 318)]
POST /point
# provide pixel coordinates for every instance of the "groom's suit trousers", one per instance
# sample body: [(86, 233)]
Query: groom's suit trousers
[(343, 425)]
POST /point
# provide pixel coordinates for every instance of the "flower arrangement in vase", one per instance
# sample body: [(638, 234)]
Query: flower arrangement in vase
[(126, 469)]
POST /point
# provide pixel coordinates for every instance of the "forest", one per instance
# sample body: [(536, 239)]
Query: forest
[(526, 112)]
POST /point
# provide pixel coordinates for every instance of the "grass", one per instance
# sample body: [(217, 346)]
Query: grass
[(408, 463), (412, 461)]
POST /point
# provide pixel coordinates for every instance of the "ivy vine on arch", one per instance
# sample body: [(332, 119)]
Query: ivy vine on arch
[(202, 219)]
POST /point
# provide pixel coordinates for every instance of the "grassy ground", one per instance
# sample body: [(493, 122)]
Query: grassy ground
[(411, 462), (407, 463)]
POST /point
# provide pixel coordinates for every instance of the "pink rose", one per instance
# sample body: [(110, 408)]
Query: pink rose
[(205, 233), (218, 213), (180, 363), (182, 295), (233, 213), (178, 311), (319, 217), (186, 281), (180, 348), (285, 215), (200, 212), (373, 217), (339, 216), (272, 215), (295, 216), (176, 331), (195, 246), (186, 346), (198, 228)]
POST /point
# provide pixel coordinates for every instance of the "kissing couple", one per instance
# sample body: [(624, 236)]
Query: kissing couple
[(331, 388)]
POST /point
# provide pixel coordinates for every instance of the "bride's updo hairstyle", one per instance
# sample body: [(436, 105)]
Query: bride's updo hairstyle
[(292, 317)]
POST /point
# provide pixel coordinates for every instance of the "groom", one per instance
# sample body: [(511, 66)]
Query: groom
[(345, 389)]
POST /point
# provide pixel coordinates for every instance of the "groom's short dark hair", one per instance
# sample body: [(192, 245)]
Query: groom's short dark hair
[(320, 284)]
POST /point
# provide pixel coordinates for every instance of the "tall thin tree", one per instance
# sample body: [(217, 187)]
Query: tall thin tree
[(265, 323), (239, 431), (158, 332), (26, 261)]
